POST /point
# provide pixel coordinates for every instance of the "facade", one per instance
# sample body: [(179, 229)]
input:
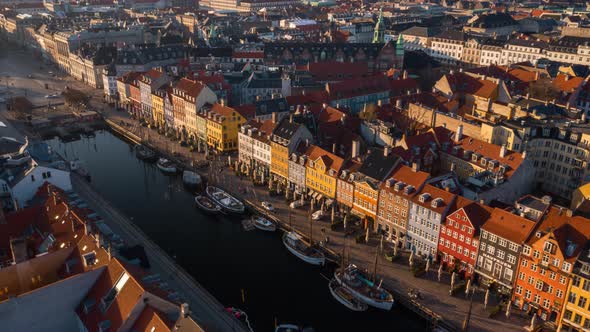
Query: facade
[(394, 201), (546, 262), (322, 171), (428, 209), (188, 97), (148, 82), (502, 235), (576, 314), (297, 169), (284, 139), (254, 147), (459, 236), (223, 125)]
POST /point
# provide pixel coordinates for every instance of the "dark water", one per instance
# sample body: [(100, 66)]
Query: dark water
[(217, 252)]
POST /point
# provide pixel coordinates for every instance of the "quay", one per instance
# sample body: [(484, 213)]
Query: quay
[(205, 309), (435, 321)]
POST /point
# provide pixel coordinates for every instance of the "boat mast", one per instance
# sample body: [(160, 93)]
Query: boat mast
[(310, 227), (376, 259)]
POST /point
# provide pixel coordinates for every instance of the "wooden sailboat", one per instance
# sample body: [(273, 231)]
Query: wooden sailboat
[(305, 251)]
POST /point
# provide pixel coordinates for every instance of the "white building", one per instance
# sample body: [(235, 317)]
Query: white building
[(521, 50), (447, 47), (24, 190)]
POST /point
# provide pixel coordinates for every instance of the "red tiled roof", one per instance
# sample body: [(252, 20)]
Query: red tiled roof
[(447, 198), (190, 87), (461, 82), (248, 55), (565, 83), (330, 160), (508, 226), (152, 319), (334, 71)]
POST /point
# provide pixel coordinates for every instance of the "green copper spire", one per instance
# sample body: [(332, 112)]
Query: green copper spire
[(379, 33)]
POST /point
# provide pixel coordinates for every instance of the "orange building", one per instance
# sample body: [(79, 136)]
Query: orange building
[(546, 262)]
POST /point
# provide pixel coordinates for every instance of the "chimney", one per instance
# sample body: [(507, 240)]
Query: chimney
[(386, 151), (222, 102), (459, 133), (503, 150), (405, 74), (307, 142), (524, 154), (184, 310), (415, 166), (356, 148), (379, 103), (97, 238), (334, 148), (109, 254), (274, 117), (398, 104)]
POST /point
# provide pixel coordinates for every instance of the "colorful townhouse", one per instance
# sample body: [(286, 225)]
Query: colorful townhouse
[(375, 168), (345, 184), (148, 82), (459, 237), (576, 312), (254, 147), (123, 88), (283, 141), (322, 172), (187, 98), (135, 97), (394, 201), (502, 235), (158, 97), (223, 125), (428, 209), (546, 262)]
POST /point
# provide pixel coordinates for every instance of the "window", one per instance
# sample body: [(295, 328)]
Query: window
[(582, 302), (572, 298), (539, 285), (518, 290), (562, 280), (526, 250), (110, 297)]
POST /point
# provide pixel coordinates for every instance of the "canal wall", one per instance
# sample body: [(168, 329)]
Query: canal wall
[(436, 321)]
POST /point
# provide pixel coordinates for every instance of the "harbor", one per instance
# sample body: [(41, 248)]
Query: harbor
[(236, 266)]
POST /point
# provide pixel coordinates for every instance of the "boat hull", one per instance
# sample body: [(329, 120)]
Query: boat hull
[(267, 228), (308, 259), (361, 306), (206, 209), (384, 305)]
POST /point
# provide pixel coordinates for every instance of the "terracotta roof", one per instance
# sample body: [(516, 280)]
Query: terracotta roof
[(566, 230), (565, 83), (330, 160), (190, 87), (448, 199), (153, 74), (121, 306), (248, 55), (508, 226), (461, 82), (223, 110), (152, 319), (477, 213)]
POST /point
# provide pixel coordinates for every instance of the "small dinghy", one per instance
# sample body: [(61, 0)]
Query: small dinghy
[(207, 205), (191, 179), (166, 166), (263, 224), (144, 153), (346, 297)]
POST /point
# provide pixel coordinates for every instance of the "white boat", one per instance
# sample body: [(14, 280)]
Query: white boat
[(318, 215), (345, 296), (359, 284), (298, 247), (263, 224), (191, 179), (166, 165), (227, 202)]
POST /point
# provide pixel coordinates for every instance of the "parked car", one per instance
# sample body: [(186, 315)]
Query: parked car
[(268, 206)]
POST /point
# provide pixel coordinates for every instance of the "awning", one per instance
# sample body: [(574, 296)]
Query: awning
[(329, 201)]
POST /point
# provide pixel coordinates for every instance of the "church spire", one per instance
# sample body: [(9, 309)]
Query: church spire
[(378, 36)]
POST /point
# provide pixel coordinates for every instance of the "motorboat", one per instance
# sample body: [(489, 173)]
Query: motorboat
[(207, 205), (345, 296), (264, 224), (300, 248), (191, 179), (358, 283), (144, 153), (166, 166), (227, 202), (318, 215)]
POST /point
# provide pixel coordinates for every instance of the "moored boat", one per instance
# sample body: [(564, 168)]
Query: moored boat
[(142, 152), (191, 179), (345, 296), (207, 205), (318, 215), (303, 250), (227, 202), (166, 165), (360, 286), (263, 224)]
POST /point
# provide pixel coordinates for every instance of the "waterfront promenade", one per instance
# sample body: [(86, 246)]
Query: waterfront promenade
[(396, 276), (205, 309)]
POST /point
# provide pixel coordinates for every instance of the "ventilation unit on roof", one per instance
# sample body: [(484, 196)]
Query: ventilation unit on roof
[(539, 234)]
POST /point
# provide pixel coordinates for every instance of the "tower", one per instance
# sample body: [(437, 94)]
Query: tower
[(399, 51), (379, 33)]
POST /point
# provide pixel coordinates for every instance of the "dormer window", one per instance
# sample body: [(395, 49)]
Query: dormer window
[(474, 157), (549, 247), (424, 197), (436, 202), (112, 294), (483, 161), (89, 259)]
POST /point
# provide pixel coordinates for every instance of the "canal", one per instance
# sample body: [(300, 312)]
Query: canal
[(223, 257)]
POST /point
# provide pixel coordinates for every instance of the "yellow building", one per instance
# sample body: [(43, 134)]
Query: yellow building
[(576, 313), (284, 139), (223, 125), (321, 171), (158, 107)]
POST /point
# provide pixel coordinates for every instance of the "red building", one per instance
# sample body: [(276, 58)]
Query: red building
[(459, 235)]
